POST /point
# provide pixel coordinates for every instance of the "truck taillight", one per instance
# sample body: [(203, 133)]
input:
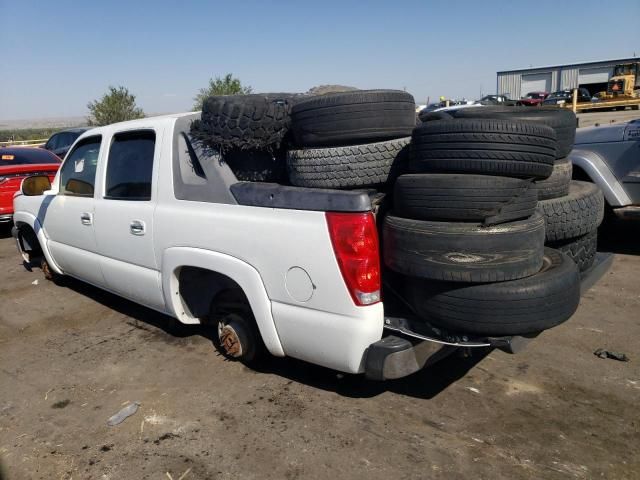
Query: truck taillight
[(355, 243)]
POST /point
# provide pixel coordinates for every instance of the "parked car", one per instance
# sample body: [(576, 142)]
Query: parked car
[(17, 163), (609, 156), (59, 143), (566, 96), (533, 99), (498, 100)]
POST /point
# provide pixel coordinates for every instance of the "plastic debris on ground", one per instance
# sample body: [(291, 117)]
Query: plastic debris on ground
[(123, 414)]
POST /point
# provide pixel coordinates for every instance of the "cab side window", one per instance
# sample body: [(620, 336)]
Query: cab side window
[(130, 166), (78, 174)]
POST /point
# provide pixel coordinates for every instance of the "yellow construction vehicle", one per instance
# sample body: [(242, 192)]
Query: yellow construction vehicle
[(625, 82)]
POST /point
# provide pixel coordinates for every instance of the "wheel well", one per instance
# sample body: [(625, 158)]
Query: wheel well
[(580, 174), (28, 240), (202, 291)]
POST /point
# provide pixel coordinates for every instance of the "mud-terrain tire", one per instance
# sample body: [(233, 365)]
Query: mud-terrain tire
[(463, 252), (581, 250), (517, 307), (466, 198), (352, 118), (575, 214), (255, 121), (557, 185), (562, 120), (506, 148), (351, 166)]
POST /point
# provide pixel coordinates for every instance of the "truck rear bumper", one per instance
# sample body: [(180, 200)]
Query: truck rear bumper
[(405, 350), (6, 218), (628, 213)]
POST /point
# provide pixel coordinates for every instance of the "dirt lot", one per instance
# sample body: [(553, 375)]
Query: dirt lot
[(71, 356)]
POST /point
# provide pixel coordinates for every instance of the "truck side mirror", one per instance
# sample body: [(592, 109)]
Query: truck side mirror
[(35, 185)]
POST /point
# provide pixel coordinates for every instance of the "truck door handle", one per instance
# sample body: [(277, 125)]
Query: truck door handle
[(86, 218), (137, 227)]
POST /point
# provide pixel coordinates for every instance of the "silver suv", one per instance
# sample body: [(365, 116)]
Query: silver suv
[(609, 156)]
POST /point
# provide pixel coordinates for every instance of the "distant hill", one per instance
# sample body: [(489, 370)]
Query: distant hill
[(56, 123), (323, 89)]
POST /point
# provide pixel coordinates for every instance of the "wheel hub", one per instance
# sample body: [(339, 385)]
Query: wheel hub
[(230, 340)]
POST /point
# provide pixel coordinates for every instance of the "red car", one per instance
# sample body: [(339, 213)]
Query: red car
[(16, 163), (533, 99)]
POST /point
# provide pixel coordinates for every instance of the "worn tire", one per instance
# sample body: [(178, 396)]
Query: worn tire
[(244, 121), (352, 166), (432, 116), (352, 118), (581, 250), (557, 185), (507, 148), (563, 121), (463, 252), (467, 198), (575, 214), (517, 307)]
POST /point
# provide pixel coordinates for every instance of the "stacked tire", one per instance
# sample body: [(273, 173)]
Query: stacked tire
[(572, 210), (355, 139), (248, 132), (467, 234)]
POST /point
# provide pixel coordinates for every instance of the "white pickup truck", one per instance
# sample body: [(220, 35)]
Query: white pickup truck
[(141, 210)]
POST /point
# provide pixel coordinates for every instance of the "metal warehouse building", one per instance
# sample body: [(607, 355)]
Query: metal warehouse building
[(591, 75)]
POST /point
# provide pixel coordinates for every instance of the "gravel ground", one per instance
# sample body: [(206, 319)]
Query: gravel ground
[(71, 356)]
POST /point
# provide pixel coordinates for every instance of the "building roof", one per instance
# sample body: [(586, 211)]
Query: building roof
[(575, 64)]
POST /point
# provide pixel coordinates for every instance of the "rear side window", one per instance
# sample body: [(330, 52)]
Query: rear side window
[(78, 174), (130, 166), (26, 156), (52, 144)]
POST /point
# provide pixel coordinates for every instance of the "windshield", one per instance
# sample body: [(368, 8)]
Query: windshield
[(26, 156), (534, 96)]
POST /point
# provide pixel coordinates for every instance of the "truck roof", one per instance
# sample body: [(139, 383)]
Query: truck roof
[(138, 123)]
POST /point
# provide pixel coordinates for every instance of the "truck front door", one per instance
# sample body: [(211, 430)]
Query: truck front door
[(124, 217), (68, 216)]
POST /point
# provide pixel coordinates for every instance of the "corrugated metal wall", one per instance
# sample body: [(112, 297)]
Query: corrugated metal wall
[(509, 84), (569, 78)]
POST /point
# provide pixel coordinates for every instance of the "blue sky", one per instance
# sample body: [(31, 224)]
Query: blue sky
[(56, 56)]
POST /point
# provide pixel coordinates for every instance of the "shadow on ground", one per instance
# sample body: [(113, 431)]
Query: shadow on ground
[(619, 236), (5, 232), (424, 384)]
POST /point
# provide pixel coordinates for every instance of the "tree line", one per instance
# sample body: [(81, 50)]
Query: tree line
[(119, 105)]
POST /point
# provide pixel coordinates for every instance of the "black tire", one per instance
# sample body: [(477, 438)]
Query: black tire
[(557, 185), (575, 214), (463, 252), (256, 165), (507, 148), (431, 116), (581, 250), (467, 198), (352, 118), (352, 166), (517, 307), (562, 120), (244, 121)]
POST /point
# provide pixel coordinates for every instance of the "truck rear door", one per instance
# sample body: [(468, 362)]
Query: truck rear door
[(124, 216)]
